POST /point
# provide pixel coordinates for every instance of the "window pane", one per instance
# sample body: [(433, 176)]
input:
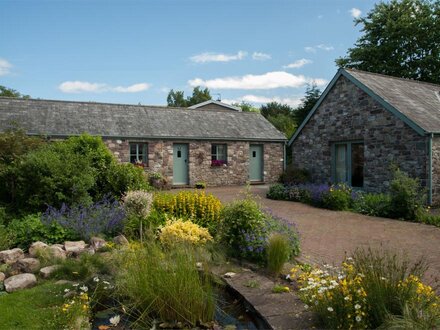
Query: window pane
[(357, 165), (133, 148), (341, 163)]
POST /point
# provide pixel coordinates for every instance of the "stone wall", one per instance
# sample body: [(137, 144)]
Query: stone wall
[(348, 113), (236, 172), (436, 171)]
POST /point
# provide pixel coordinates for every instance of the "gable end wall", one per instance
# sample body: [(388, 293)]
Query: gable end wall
[(348, 113)]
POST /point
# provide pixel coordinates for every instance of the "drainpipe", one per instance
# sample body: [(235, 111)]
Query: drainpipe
[(430, 169)]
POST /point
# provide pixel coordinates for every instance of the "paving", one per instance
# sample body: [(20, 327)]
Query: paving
[(328, 236)]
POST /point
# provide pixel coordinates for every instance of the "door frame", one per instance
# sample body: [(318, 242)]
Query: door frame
[(261, 145), (348, 160), (186, 162)]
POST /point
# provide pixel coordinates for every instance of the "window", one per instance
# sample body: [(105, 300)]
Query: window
[(348, 163), (139, 153), (219, 155)]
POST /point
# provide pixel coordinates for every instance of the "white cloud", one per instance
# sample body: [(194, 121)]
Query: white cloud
[(5, 67), (215, 57), (314, 49), (261, 56), (355, 12), (259, 99), (269, 80), (88, 87), (298, 64)]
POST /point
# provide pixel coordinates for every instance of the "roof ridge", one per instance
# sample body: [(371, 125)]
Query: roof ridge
[(91, 102), (162, 107), (393, 77)]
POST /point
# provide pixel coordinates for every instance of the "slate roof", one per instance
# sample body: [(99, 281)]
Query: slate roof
[(65, 118), (418, 101)]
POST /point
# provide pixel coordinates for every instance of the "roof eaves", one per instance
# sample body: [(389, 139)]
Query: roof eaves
[(177, 138)]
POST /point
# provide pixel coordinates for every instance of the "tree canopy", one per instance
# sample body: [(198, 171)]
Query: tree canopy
[(177, 98), (9, 92), (307, 103), (400, 38)]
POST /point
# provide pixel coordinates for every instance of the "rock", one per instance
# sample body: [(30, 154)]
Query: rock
[(61, 246), (2, 276), (74, 247), (97, 243), (69, 294), (56, 252), (19, 282), (28, 265), (229, 275), (199, 265), (36, 247), (47, 271), (120, 240), (11, 256)]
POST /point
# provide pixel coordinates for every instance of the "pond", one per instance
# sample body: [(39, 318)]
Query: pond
[(232, 310)]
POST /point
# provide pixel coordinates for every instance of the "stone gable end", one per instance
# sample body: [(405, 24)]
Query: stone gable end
[(349, 114)]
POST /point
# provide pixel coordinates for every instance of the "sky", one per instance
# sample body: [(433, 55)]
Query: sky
[(136, 51)]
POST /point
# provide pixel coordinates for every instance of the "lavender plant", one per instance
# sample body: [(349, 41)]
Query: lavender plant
[(103, 217)]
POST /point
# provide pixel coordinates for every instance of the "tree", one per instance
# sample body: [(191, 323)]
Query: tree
[(9, 92), (275, 108), (307, 103), (400, 38), (246, 107), (177, 98)]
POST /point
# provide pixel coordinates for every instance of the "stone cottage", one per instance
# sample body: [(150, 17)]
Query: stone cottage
[(214, 143), (363, 124)]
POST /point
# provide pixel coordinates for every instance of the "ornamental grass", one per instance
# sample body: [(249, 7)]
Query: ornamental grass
[(371, 289), (165, 285)]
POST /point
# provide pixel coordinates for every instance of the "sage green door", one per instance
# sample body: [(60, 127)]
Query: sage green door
[(180, 164), (256, 162)]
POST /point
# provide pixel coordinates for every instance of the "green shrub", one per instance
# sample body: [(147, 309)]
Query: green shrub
[(376, 205), (407, 196), (5, 238), (338, 198), (23, 232), (203, 209), (53, 175), (121, 178), (277, 191), (274, 224), (293, 175), (243, 229), (278, 252), (430, 219), (165, 284)]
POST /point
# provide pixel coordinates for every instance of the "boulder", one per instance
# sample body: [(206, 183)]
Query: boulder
[(11, 256), (56, 252), (2, 276), (74, 247), (47, 271), (36, 247), (120, 240), (28, 265), (19, 282), (96, 243)]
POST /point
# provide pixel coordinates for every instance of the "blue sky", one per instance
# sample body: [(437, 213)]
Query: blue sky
[(136, 51)]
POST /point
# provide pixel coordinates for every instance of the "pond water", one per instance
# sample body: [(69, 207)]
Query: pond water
[(231, 310)]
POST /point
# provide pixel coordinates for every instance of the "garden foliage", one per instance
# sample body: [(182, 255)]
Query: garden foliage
[(370, 289), (178, 231), (84, 221), (201, 208)]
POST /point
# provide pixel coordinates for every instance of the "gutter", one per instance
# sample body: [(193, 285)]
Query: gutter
[(430, 169)]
